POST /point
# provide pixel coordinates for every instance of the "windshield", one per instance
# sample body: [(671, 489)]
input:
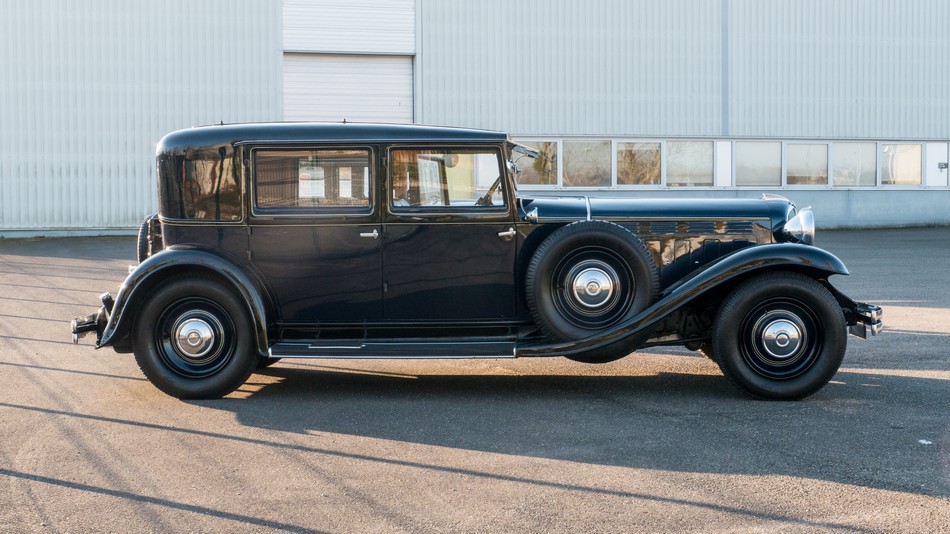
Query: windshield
[(534, 162)]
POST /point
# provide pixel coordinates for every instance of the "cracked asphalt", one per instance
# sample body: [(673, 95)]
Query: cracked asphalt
[(658, 441)]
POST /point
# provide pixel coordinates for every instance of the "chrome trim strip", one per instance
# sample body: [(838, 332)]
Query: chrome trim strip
[(587, 199)]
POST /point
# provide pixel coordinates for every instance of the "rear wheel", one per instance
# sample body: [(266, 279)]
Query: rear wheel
[(193, 338), (142, 247), (780, 335)]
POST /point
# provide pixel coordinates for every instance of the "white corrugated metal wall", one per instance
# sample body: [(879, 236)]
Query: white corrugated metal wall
[(349, 59), (807, 68), (852, 68), (552, 67), (90, 86)]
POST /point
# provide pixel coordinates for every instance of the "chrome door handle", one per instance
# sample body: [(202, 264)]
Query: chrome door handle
[(374, 234), (507, 234)]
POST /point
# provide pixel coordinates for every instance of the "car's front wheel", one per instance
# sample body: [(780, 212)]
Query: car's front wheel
[(779, 335), (193, 339)]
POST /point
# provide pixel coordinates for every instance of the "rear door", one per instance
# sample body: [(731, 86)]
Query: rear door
[(315, 232), (450, 245)]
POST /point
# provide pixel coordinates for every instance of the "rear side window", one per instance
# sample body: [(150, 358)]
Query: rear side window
[(309, 179), (200, 185)]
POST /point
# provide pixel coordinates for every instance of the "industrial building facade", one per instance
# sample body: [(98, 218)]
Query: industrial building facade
[(840, 105)]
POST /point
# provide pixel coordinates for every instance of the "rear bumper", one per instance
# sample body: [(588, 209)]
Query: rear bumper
[(94, 322), (868, 320)]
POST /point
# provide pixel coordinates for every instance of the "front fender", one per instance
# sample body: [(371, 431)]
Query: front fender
[(185, 259), (803, 258)]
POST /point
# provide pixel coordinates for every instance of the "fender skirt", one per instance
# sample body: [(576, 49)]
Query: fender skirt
[(119, 323), (803, 258)]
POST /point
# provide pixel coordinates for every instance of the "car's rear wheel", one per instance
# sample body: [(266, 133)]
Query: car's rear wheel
[(193, 338), (587, 277), (142, 251), (780, 335)]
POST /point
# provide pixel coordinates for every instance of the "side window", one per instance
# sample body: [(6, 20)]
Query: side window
[(457, 178), (200, 185), (312, 178)]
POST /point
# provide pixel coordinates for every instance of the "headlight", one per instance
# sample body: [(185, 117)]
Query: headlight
[(801, 228)]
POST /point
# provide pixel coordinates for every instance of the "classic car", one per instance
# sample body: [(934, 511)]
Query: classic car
[(305, 240)]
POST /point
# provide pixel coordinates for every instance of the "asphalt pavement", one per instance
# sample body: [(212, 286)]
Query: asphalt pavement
[(658, 441)]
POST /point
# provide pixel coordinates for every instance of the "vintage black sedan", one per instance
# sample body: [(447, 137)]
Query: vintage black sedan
[(395, 241)]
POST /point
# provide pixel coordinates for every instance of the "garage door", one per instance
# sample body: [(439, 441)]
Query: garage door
[(322, 87)]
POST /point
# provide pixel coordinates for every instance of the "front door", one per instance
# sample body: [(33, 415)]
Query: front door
[(449, 242)]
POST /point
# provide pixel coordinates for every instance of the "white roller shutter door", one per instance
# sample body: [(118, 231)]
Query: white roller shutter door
[(321, 87)]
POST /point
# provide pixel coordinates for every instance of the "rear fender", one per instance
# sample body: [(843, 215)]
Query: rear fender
[(806, 259), (182, 259)]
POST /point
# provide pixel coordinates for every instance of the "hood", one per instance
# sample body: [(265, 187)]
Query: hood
[(565, 209)]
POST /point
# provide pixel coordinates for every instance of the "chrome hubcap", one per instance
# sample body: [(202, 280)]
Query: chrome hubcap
[(194, 337), (781, 336), (593, 287)]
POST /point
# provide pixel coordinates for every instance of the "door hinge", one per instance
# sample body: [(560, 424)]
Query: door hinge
[(248, 255)]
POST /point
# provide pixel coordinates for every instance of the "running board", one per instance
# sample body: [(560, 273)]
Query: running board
[(356, 349)]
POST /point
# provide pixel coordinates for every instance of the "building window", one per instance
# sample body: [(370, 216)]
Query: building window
[(638, 163), (541, 170), (758, 163), (806, 164), (689, 163), (586, 163), (900, 164), (855, 164)]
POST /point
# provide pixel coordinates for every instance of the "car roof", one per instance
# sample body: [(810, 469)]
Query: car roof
[(297, 132)]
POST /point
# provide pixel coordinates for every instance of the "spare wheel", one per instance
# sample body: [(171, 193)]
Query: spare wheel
[(587, 277)]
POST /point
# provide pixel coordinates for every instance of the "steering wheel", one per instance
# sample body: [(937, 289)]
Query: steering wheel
[(486, 199)]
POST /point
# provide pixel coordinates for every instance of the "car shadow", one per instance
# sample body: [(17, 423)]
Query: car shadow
[(668, 421)]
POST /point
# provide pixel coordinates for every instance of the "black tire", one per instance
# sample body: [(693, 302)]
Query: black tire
[(142, 252), (604, 254), (780, 335), (706, 350), (263, 363), (213, 370)]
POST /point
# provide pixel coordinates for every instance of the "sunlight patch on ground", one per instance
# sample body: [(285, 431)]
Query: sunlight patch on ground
[(899, 373), (916, 321)]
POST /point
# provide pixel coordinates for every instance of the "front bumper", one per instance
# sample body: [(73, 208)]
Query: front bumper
[(868, 319)]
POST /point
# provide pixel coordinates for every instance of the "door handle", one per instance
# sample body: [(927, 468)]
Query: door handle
[(374, 234), (507, 234)]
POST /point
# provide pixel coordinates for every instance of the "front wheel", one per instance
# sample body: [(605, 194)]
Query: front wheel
[(193, 339), (780, 335)]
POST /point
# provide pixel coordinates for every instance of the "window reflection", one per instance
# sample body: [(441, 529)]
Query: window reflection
[(586, 163), (541, 170), (758, 163), (638, 163), (690, 163), (807, 164), (855, 164), (900, 164)]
